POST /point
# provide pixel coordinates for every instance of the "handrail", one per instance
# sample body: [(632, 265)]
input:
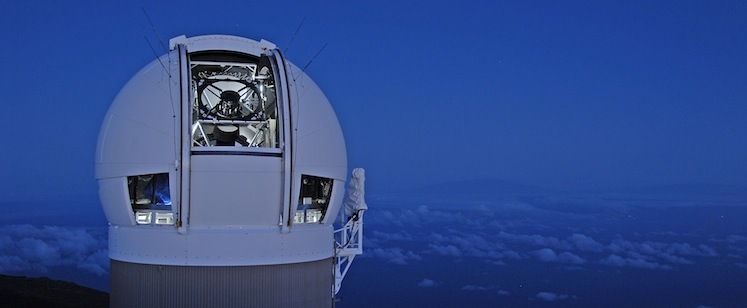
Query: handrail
[(348, 245)]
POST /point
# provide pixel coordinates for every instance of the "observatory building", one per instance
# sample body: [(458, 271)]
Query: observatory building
[(222, 172)]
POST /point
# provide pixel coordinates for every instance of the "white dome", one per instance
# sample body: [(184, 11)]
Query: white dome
[(216, 149)]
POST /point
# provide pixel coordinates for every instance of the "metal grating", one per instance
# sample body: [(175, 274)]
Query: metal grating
[(308, 284)]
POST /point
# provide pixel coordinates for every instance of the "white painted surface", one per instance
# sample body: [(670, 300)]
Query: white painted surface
[(235, 201), (238, 246)]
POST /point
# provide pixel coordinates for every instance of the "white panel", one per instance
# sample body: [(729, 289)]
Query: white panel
[(233, 190), (229, 163), (139, 128), (129, 141), (223, 42), (146, 99), (220, 246), (116, 201), (320, 146)]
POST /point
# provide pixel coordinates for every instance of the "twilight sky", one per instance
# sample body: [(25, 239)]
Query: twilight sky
[(570, 95)]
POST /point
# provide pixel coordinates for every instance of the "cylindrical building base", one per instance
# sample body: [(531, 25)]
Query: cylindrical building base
[(308, 284)]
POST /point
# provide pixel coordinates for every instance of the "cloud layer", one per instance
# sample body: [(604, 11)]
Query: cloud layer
[(539, 251), (27, 249), (481, 236), (551, 297)]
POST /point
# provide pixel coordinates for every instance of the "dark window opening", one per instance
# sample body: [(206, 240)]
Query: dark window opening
[(150, 198), (314, 199)]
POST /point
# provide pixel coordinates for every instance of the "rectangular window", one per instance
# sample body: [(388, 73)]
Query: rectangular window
[(234, 103), (150, 199), (313, 199)]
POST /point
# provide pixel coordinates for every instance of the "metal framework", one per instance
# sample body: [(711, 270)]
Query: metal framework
[(348, 244)]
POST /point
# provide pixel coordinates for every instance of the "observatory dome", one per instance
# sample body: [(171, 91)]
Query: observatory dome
[(222, 170), (220, 153)]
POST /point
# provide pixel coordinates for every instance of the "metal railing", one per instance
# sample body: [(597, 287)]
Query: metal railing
[(348, 244)]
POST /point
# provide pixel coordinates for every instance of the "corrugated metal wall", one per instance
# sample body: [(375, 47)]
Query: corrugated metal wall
[(307, 284)]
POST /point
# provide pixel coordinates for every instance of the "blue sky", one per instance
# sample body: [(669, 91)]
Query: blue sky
[(570, 96)]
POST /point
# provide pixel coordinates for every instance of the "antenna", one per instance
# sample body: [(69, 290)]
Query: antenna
[(157, 57), (154, 31), (294, 35), (312, 59), (159, 39), (168, 73)]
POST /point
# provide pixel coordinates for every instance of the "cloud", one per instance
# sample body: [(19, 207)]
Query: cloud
[(656, 248), (465, 234), (639, 262), (645, 254), (545, 255), (13, 264), (511, 254), (736, 238), (549, 255), (551, 297), (567, 257), (463, 244), (673, 258), (707, 250), (418, 217), (449, 250), (425, 283), (585, 243), (475, 288), (536, 240), (387, 236), (34, 250), (394, 255), (470, 287)]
